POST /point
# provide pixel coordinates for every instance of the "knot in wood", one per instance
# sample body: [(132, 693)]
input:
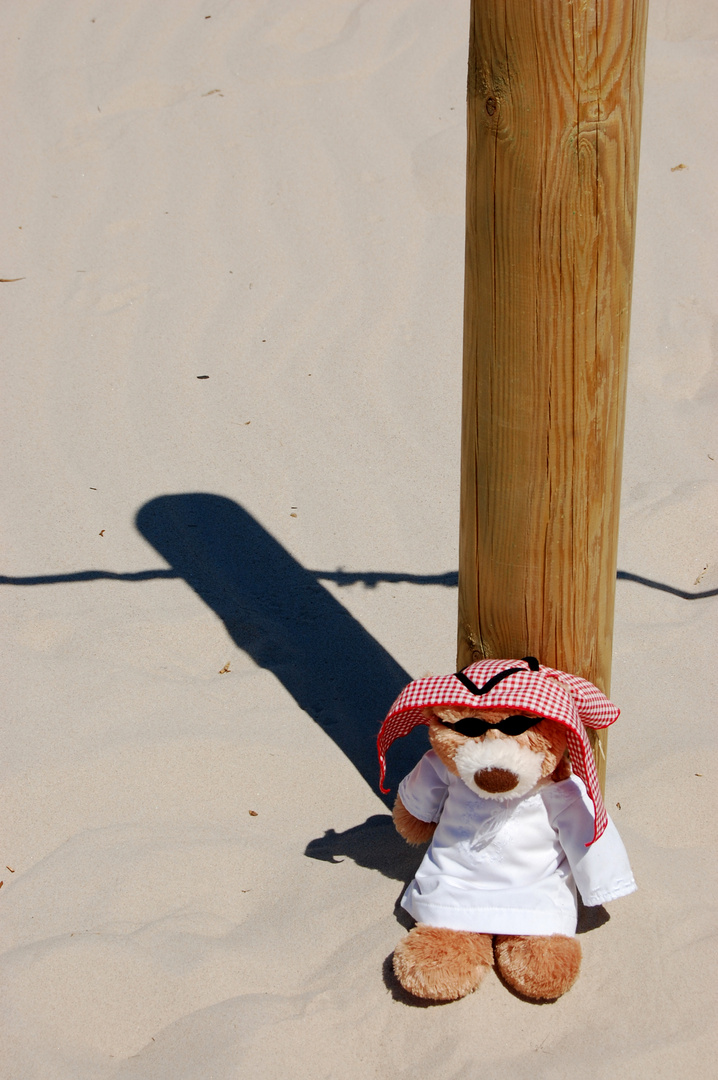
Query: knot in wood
[(491, 105)]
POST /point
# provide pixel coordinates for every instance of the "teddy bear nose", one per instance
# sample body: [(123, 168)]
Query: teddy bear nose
[(496, 780)]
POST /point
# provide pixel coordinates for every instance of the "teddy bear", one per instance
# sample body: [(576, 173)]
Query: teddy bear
[(508, 797)]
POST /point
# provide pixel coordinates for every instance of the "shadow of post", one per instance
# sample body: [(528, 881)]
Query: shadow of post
[(278, 613)]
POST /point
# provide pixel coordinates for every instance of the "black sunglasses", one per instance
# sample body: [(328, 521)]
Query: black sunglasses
[(472, 727)]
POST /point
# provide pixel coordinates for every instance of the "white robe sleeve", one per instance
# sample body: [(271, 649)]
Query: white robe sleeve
[(602, 871), (423, 792)]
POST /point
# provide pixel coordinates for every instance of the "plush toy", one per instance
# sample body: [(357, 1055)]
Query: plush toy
[(509, 797)]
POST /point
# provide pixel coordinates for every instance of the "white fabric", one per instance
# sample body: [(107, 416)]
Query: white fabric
[(512, 867)]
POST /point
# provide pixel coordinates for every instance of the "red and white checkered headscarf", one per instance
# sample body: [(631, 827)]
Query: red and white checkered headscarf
[(573, 702)]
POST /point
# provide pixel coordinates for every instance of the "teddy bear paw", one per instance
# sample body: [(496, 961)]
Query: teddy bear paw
[(540, 968), (442, 965)]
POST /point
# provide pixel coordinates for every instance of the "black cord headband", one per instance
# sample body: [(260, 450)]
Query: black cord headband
[(474, 689)]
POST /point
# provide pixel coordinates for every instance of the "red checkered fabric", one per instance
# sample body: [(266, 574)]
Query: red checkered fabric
[(569, 700)]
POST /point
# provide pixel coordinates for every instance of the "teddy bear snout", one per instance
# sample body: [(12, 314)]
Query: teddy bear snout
[(495, 780)]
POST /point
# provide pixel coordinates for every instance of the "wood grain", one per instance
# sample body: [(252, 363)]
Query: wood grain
[(554, 111)]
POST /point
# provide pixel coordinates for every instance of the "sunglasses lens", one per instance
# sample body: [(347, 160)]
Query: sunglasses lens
[(517, 725), (470, 726)]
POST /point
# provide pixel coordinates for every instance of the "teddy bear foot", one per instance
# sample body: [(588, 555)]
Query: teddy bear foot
[(442, 965), (540, 968)]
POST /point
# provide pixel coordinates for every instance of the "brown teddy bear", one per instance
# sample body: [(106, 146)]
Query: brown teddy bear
[(509, 797)]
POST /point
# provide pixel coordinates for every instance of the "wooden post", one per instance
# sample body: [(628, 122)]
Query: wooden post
[(554, 114)]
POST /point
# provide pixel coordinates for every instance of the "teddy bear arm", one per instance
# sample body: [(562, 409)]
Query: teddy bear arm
[(413, 829)]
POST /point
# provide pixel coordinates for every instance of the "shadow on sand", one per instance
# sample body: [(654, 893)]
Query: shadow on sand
[(278, 613)]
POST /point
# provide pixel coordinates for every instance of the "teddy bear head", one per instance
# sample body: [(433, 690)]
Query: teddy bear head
[(534, 707), (498, 753)]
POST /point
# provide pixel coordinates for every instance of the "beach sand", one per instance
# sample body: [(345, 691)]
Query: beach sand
[(238, 228)]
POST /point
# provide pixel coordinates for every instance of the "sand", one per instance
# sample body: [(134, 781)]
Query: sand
[(239, 232)]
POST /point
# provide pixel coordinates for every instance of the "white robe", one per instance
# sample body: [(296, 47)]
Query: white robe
[(509, 867)]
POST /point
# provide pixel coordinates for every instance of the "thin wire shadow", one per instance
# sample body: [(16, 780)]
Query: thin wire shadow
[(88, 575), (623, 575), (278, 613), (369, 578)]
